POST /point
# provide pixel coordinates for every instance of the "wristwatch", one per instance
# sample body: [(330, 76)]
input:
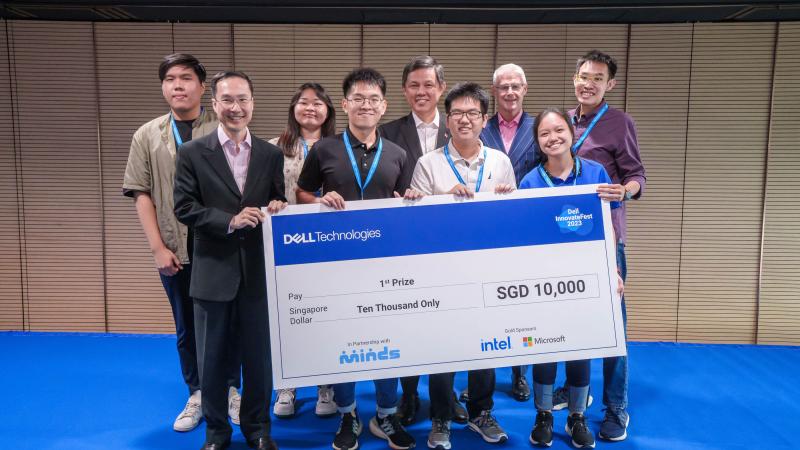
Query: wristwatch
[(628, 194)]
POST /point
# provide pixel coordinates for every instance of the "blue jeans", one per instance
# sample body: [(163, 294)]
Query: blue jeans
[(385, 396), (615, 369)]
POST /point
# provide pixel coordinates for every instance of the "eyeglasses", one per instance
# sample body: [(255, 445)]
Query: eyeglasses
[(472, 114), (586, 79), (359, 101), (228, 102), (514, 87)]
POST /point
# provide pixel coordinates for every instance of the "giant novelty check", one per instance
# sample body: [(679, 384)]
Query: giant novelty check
[(389, 288)]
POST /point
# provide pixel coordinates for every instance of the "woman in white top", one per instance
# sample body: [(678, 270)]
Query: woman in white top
[(311, 118)]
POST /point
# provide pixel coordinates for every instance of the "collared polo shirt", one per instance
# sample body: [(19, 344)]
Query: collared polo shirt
[(612, 143), (434, 176), (591, 173), (151, 169), (328, 167)]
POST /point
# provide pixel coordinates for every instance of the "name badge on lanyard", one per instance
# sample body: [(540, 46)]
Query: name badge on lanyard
[(458, 175), (585, 134), (362, 186)]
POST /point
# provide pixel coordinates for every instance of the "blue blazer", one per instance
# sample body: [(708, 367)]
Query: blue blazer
[(524, 152)]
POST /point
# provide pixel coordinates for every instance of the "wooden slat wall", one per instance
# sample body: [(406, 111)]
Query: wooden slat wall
[(58, 140), (266, 53), (695, 238), (658, 94), (130, 95), (467, 52), (382, 52), (727, 140), (540, 50), (779, 299), (10, 252)]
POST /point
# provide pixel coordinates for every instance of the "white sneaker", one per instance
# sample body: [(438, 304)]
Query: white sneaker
[(284, 405), (188, 419), (325, 404), (234, 403)]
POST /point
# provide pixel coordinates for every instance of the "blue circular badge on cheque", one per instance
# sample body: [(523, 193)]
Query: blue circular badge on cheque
[(572, 220)]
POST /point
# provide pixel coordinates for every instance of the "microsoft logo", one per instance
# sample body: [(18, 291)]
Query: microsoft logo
[(527, 341)]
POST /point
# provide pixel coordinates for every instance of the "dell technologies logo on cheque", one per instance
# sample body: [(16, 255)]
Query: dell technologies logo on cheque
[(333, 236)]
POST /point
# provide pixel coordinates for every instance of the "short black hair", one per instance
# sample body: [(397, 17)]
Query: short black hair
[(469, 90), (181, 59), (365, 75), (229, 74), (424, 62), (600, 57)]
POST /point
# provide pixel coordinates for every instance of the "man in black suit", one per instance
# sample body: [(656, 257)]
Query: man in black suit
[(221, 181), (422, 131)]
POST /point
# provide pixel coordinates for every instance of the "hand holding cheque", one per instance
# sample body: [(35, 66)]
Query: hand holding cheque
[(481, 283)]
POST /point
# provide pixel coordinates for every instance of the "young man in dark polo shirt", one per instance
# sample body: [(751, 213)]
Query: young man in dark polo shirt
[(608, 136), (359, 165)]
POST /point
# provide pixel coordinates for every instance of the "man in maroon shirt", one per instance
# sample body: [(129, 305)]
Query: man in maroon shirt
[(608, 136)]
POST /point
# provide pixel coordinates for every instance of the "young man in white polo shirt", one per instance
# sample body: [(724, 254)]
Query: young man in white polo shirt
[(463, 167)]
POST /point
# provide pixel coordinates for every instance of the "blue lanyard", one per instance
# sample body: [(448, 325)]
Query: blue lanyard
[(175, 132), (546, 177), (305, 148), (356, 172), (585, 134), (458, 175)]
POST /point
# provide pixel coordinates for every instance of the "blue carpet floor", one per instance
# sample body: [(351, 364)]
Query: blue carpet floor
[(87, 391)]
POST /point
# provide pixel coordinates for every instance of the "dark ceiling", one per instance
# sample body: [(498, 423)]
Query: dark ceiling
[(374, 12)]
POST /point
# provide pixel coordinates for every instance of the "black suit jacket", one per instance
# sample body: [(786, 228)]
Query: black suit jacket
[(403, 132), (207, 198)]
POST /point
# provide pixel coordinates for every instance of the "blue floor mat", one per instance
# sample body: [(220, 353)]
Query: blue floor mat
[(96, 391)]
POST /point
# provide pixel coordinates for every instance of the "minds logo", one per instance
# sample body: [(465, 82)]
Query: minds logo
[(572, 220), (362, 356), (333, 236)]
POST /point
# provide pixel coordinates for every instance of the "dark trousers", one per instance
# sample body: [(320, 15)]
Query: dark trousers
[(409, 385), (578, 373), (222, 327), (177, 289), (480, 384)]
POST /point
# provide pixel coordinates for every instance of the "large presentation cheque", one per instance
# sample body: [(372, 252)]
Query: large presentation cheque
[(389, 288)]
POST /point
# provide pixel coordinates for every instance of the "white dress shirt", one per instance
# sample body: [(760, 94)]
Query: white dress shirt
[(427, 132)]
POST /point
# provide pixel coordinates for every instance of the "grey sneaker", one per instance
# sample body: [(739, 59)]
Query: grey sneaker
[(486, 425), (234, 404), (326, 407), (284, 404), (439, 437), (188, 419), (561, 398)]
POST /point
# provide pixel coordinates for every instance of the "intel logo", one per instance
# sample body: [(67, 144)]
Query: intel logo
[(362, 356), (495, 345)]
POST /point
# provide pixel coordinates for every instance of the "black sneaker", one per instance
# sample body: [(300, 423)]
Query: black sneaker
[(408, 408), (389, 428), (520, 389), (561, 398), (542, 433), (347, 435), (577, 428)]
